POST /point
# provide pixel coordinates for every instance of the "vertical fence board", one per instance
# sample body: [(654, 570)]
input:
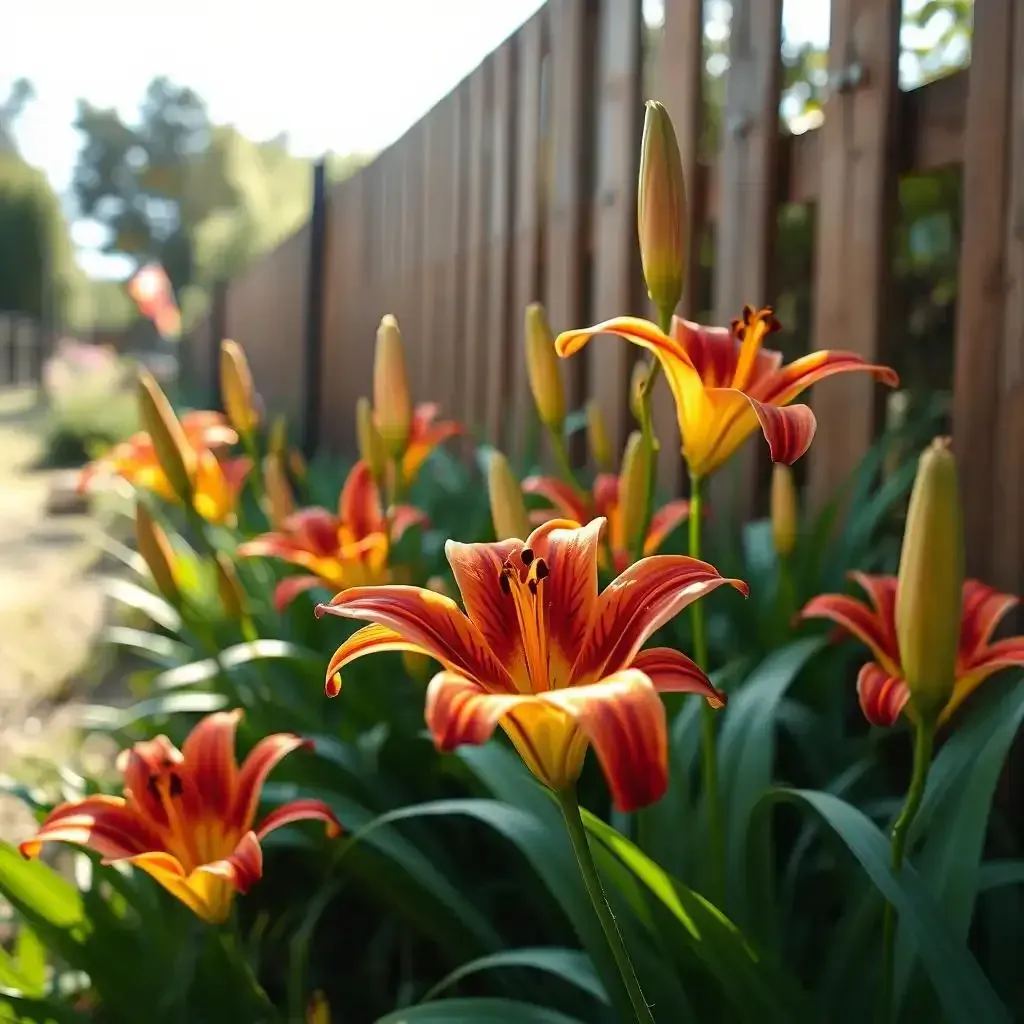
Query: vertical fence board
[(474, 381), (745, 230), (681, 89), (316, 266), (455, 283), (569, 138), (854, 231), (616, 256), (433, 340), (526, 255), (412, 299), (499, 283)]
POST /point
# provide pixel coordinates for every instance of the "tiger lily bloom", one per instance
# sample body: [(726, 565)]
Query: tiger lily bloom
[(725, 384), (881, 685), (186, 817), (541, 653), (427, 433), (349, 549), (216, 484), (604, 501)]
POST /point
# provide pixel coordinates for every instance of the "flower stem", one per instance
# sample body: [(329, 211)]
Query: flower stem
[(588, 869), (708, 735), (924, 735), (564, 465)]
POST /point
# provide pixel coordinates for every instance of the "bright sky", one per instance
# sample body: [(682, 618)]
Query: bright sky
[(341, 75)]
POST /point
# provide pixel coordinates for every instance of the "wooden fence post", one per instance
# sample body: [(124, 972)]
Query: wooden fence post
[(314, 327)]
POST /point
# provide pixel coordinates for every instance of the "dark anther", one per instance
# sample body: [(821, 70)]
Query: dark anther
[(748, 314), (175, 784), (166, 763), (532, 584), (151, 785), (773, 325), (542, 571), (506, 587), (741, 332), (526, 555)]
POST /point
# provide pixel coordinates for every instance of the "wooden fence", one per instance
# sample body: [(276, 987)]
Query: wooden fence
[(521, 185), (22, 341)]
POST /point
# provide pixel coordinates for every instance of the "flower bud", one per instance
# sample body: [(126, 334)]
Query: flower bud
[(929, 588), (391, 401), (277, 439), (318, 1011), (661, 210), (543, 369), (297, 464), (641, 369), (508, 510), (280, 501), (785, 515), (633, 478), (173, 452), (371, 444), (597, 437), (229, 587), (156, 552), (236, 388)]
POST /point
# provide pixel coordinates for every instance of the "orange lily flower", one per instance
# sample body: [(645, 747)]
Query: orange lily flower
[(604, 501), (426, 434), (541, 653), (881, 688), (349, 549), (725, 384), (217, 482), (186, 817)]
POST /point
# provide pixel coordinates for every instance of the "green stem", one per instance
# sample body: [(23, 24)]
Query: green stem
[(588, 869), (564, 464), (708, 735), (924, 736), (234, 946), (256, 480)]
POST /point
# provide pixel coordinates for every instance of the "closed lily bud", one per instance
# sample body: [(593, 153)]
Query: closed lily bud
[(297, 464), (175, 455), (156, 552), (371, 444), (661, 210), (280, 501), (508, 510), (230, 590), (633, 477), (318, 1011), (542, 366), (597, 437), (277, 436), (236, 387), (784, 509), (636, 386), (391, 400), (929, 588)]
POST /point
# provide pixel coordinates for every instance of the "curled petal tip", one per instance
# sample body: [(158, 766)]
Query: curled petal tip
[(332, 687), (740, 585), (320, 610)]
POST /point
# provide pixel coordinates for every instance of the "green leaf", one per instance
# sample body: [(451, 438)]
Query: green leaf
[(238, 656), (30, 956), (142, 600), (15, 1007), (477, 1011), (757, 989), (964, 992), (994, 874), (161, 650), (102, 717), (568, 964)]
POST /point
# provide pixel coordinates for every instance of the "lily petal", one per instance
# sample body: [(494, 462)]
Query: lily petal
[(367, 640), (984, 608), (639, 602), (623, 717), (606, 496), (882, 696), (564, 498), (209, 758), (432, 622), (459, 710), (873, 629), (262, 760), (300, 810), (403, 517), (672, 671), (663, 522), (794, 378), (289, 588), (102, 823), (359, 504), (993, 658)]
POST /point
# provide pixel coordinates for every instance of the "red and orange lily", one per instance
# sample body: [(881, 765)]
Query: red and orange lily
[(186, 817), (604, 501), (426, 434), (881, 687), (541, 653), (217, 484), (349, 549), (725, 383)]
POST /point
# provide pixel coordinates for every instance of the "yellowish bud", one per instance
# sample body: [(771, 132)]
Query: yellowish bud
[(236, 387), (318, 1011), (636, 386), (280, 501), (277, 440), (784, 510), (229, 587), (929, 588), (633, 477), (371, 444), (544, 371), (174, 453), (156, 552), (597, 437), (297, 464), (391, 400), (508, 510), (661, 210)]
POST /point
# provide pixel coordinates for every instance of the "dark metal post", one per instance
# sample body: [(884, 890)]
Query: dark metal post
[(314, 327)]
